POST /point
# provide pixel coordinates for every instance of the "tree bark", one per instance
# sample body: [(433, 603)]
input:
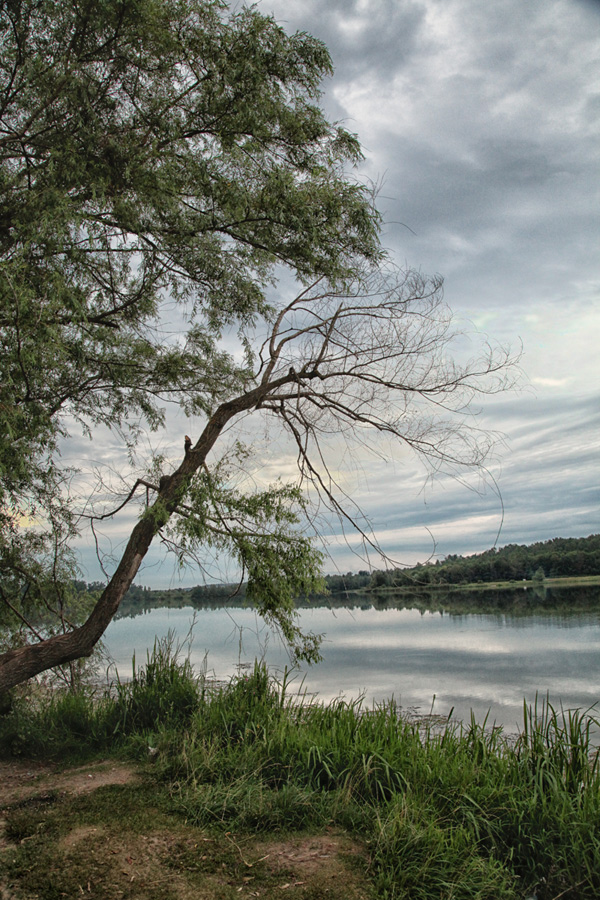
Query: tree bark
[(17, 666), (23, 663)]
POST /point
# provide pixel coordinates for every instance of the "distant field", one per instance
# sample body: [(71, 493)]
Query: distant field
[(583, 581), (548, 582)]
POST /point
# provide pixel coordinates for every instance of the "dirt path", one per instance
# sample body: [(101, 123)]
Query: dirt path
[(21, 780), (93, 831)]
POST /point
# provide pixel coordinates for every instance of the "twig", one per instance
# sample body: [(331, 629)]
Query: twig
[(237, 846)]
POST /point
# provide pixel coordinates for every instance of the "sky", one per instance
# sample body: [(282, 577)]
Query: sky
[(481, 124)]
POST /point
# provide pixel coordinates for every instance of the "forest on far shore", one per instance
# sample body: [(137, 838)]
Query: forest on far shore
[(556, 558)]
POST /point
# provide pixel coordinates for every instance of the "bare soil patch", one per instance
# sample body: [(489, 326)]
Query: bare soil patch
[(35, 783), (325, 860), (63, 838), (308, 855), (21, 780)]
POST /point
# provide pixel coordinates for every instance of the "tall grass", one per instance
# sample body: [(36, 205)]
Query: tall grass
[(457, 813), (161, 695)]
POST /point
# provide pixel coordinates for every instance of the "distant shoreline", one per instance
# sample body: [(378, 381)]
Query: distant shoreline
[(582, 581), (473, 596)]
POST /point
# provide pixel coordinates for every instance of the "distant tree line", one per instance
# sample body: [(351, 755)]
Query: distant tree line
[(556, 558), (351, 581)]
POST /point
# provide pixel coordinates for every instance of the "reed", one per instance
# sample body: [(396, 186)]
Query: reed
[(77, 722), (460, 812), (453, 812)]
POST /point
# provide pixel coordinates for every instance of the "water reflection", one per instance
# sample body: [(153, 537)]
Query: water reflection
[(480, 661)]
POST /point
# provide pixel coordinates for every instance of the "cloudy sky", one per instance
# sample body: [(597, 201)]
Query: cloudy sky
[(481, 123)]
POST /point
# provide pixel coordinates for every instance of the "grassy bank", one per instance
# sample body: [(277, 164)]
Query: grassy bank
[(458, 813), (582, 581)]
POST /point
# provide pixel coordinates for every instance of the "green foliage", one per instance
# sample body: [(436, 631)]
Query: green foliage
[(261, 531), (150, 147), (149, 153), (455, 813), (556, 558), (64, 724), (161, 694), (452, 811), (162, 167)]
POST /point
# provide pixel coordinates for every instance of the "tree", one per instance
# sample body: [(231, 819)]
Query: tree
[(170, 161)]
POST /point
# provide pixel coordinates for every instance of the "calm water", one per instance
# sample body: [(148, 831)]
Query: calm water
[(484, 661)]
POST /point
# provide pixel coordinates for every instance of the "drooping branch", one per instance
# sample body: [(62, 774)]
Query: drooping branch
[(147, 169), (335, 365), (25, 662)]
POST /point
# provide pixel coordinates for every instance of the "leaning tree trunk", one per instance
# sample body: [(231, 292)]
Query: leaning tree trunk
[(17, 666), (22, 663)]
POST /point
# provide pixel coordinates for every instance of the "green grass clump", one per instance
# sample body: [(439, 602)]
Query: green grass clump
[(75, 724), (455, 813), (162, 694)]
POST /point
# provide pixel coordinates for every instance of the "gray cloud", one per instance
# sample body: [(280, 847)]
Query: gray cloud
[(355, 32), (481, 123)]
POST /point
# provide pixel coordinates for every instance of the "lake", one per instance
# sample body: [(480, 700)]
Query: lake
[(380, 647)]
